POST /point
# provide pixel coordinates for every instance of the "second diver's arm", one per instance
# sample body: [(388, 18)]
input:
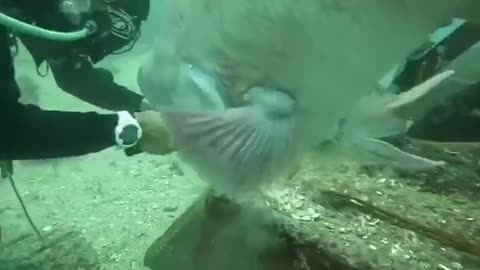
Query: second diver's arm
[(94, 85)]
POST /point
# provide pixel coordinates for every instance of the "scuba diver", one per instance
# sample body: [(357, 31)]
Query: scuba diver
[(117, 24), (454, 46), (71, 36)]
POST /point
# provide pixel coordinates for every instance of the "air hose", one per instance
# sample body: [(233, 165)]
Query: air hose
[(39, 32)]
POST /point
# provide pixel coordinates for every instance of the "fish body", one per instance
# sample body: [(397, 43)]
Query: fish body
[(283, 76)]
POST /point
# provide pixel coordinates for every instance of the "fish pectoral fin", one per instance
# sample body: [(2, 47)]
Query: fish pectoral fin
[(231, 148), (375, 151)]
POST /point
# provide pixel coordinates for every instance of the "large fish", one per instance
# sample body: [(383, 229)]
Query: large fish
[(247, 86)]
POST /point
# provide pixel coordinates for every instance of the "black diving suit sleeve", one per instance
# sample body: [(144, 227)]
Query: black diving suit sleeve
[(76, 74), (31, 133), (78, 77), (28, 132)]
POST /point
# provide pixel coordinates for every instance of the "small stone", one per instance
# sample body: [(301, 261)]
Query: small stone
[(442, 267), (297, 203), (306, 218), (47, 228), (363, 198), (457, 266), (170, 208), (288, 207), (316, 216), (372, 247), (301, 197)]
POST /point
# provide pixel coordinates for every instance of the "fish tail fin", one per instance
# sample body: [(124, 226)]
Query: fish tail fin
[(373, 120)]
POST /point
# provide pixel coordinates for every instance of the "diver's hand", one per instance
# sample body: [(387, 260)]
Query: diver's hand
[(155, 137)]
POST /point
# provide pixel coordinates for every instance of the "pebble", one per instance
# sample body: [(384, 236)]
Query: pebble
[(442, 267), (171, 208), (306, 218), (457, 266), (47, 228), (316, 216), (297, 203)]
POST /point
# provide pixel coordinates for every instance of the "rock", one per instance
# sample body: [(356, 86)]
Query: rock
[(457, 266), (170, 208)]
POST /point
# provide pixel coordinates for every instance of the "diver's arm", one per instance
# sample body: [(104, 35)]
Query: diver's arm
[(454, 128), (94, 85), (448, 124), (29, 132)]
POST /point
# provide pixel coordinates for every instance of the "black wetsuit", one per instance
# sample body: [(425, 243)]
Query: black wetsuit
[(72, 63), (458, 119), (28, 132)]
